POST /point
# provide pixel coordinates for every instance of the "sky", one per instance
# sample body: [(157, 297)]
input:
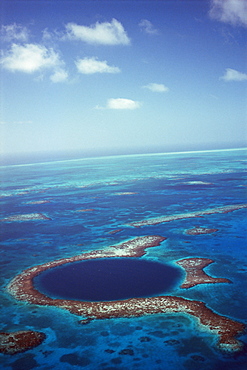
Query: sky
[(122, 76)]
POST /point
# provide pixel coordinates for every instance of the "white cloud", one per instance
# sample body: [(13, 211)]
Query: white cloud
[(60, 75), (121, 103), (156, 87), (147, 27), (229, 11), (92, 65), (29, 58), (47, 35), (53, 35), (14, 32), (233, 75), (106, 33)]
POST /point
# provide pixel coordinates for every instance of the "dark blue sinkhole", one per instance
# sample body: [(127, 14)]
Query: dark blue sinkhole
[(107, 279)]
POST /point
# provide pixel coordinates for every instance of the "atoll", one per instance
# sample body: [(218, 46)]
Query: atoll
[(22, 288), (20, 341), (182, 216)]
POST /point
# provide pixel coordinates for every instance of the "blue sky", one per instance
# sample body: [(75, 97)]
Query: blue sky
[(122, 76)]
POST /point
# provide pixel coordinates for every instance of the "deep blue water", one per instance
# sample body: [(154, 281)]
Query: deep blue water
[(107, 279), (88, 199)]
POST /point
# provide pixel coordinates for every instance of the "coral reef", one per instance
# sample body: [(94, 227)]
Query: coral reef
[(20, 341), (181, 216), (26, 217), (200, 231), (195, 274)]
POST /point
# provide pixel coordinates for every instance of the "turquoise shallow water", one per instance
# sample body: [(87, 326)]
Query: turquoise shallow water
[(85, 201)]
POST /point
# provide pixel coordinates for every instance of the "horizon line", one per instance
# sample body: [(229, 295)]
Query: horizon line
[(118, 155)]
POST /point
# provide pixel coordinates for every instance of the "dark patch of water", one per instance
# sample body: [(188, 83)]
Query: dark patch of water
[(107, 279)]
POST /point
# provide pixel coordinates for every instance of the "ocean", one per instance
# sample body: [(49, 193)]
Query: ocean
[(56, 210)]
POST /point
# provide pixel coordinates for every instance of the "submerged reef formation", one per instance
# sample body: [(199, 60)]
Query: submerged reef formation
[(195, 274), (20, 341), (200, 231), (126, 193), (26, 217), (22, 288), (197, 183), (181, 216), (115, 231), (38, 202)]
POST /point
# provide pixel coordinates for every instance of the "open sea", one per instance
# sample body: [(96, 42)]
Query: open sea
[(91, 204)]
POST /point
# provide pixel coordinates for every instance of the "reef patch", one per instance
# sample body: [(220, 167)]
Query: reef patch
[(115, 231), (195, 274), (38, 202), (26, 217), (182, 216), (200, 231), (126, 193), (20, 341)]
